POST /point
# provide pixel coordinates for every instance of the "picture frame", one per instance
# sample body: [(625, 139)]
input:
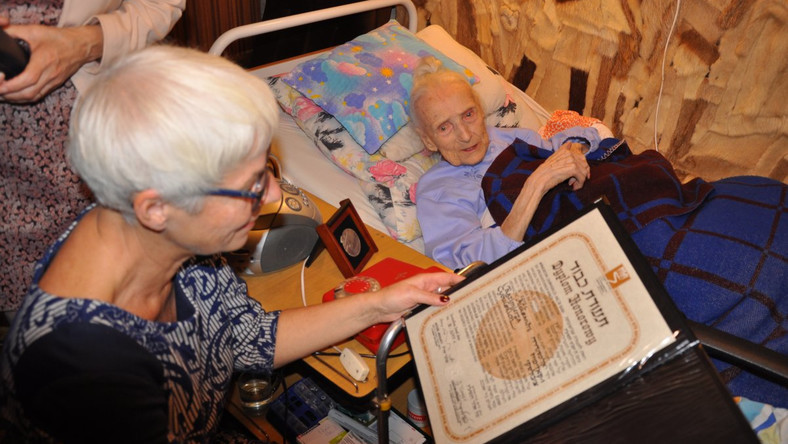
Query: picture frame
[(347, 239)]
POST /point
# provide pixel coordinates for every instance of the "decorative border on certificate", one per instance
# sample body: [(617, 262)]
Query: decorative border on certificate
[(544, 326), (347, 240)]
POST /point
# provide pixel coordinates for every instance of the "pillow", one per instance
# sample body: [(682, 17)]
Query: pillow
[(402, 145), (519, 111), (490, 88), (365, 83), (388, 184)]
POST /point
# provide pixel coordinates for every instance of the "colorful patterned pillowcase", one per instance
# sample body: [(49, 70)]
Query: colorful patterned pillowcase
[(365, 83), (389, 185)]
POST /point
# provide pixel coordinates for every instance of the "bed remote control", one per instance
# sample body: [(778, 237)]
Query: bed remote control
[(354, 364)]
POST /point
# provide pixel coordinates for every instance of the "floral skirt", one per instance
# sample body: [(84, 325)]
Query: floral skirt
[(39, 193)]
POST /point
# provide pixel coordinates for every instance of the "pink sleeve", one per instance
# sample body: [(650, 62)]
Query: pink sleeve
[(136, 24), (126, 25)]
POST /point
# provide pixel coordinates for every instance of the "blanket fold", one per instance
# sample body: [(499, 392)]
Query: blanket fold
[(640, 188)]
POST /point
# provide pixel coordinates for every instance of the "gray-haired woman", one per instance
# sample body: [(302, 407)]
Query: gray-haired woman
[(134, 325)]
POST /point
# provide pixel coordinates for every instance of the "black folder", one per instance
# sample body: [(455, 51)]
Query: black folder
[(482, 360)]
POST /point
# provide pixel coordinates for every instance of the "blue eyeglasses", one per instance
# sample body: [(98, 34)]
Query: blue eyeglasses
[(255, 194)]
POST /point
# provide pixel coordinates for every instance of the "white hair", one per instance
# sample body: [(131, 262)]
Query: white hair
[(173, 119), (430, 73)]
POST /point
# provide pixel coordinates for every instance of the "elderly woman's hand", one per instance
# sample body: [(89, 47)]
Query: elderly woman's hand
[(396, 300), (55, 55), (568, 162)]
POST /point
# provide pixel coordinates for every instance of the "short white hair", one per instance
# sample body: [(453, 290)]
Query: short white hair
[(173, 119), (428, 74)]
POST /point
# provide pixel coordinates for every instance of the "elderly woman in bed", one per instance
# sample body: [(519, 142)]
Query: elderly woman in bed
[(134, 323), (456, 226), (718, 247)]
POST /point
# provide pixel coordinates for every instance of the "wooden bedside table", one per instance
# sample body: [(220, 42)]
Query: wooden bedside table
[(282, 289)]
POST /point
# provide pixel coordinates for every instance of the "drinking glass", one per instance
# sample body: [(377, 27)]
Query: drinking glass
[(257, 390)]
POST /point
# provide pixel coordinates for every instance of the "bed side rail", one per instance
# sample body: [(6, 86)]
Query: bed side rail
[(319, 15)]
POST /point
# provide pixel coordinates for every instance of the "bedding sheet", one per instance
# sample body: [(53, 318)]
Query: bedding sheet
[(720, 248), (307, 168)]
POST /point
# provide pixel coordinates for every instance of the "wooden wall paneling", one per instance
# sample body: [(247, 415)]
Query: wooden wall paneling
[(725, 94), (203, 21)]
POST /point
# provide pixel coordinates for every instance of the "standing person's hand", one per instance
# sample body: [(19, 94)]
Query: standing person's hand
[(55, 55)]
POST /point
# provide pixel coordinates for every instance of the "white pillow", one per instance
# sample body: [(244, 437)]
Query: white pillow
[(494, 90), (490, 86)]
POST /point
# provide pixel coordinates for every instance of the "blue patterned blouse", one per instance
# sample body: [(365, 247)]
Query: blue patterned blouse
[(82, 370)]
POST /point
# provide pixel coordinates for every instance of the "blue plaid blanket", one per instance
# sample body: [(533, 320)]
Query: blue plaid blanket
[(719, 248)]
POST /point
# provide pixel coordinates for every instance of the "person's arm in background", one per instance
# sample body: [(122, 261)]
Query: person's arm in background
[(136, 24), (57, 53)]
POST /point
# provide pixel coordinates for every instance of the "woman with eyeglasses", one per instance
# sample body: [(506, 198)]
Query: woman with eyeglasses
[(134, 323)]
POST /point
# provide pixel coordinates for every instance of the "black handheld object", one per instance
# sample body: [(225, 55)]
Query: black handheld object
[(14, 55)]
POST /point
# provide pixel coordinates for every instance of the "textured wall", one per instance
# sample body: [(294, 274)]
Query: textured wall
[(725, 94)]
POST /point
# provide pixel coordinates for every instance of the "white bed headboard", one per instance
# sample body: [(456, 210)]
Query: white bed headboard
[(291, 21)]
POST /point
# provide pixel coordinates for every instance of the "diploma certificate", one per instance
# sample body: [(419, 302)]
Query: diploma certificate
[(537, 329)]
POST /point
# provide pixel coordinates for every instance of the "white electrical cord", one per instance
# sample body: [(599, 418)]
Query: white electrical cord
[(303, 292), (662, 82), (303, 288)]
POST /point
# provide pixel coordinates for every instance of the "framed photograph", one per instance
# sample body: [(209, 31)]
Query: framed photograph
[(347, 240)]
